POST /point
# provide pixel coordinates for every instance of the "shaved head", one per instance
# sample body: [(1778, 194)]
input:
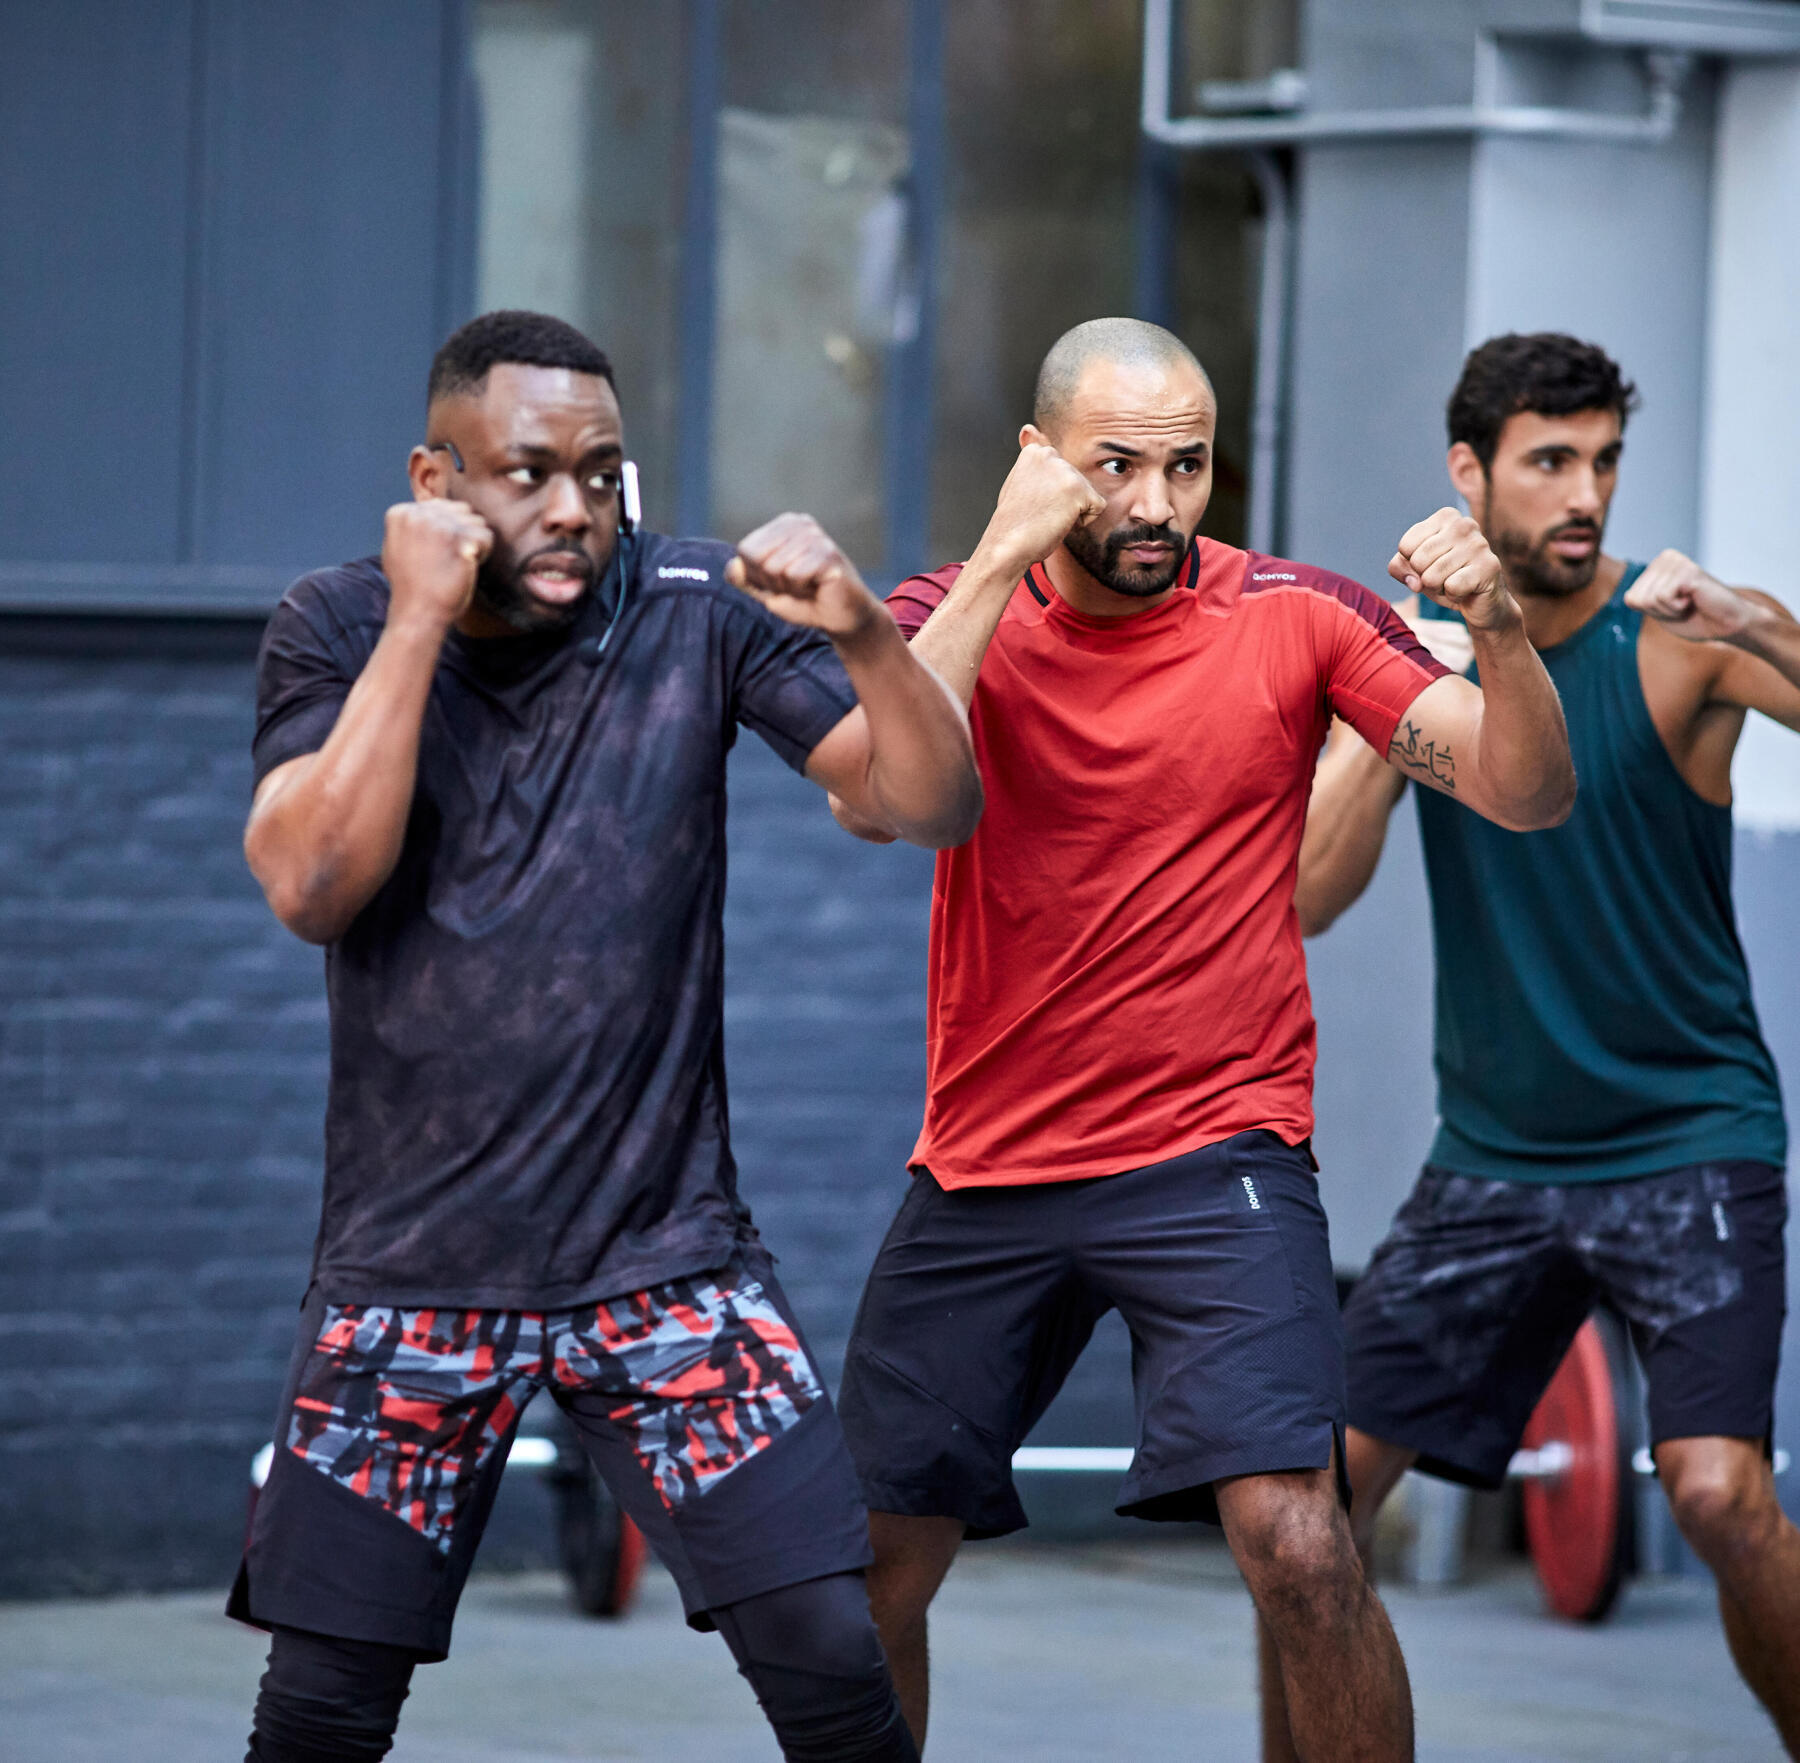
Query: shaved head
[(1118, 342)]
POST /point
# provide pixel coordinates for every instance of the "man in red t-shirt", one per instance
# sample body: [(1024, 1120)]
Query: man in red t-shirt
[(1120, 1041)]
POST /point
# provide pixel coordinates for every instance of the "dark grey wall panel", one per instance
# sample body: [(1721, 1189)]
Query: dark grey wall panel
[(322, 271), (95, 135), (162, 1090), (231, 235)]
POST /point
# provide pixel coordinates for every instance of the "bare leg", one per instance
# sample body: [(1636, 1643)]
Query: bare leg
[(1375, 1469), (912, 1555), (1722, 1492)]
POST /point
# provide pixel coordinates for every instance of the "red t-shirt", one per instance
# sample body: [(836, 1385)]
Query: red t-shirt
[(1116, 974)]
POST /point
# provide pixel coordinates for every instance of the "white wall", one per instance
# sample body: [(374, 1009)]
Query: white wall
[(1750, 480)]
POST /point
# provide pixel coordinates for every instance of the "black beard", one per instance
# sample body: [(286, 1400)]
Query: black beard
[(1100, 558), (1536, 570), (499, 589)]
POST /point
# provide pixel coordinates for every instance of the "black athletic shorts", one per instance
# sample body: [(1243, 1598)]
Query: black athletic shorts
[(983, 1298), (1470, 1304), (697, 1400)]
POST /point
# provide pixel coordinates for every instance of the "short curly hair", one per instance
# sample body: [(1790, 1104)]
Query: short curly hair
[(1544, 372), (529, 339)]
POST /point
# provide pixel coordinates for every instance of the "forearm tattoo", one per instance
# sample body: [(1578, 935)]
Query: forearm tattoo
[(1410, 749)]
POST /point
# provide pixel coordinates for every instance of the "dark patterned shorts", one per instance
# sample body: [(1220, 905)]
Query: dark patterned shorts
[(1470, 1303), (696, 1398)]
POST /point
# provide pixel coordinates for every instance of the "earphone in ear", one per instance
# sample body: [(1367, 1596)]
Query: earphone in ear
[(631, 508)]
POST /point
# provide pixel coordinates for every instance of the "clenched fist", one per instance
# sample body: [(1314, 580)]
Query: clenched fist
[(430, 552), (1678, 593), (794, 568), (1043, 499), (1447, 558)]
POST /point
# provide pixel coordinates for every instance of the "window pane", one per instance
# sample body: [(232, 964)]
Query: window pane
[(812, 242), (581, 169)]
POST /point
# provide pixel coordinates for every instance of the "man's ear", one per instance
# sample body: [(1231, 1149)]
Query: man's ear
[(1033, 436), (1469, 478), (429, 470)]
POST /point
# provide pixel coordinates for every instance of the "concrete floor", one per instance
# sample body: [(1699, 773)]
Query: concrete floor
[(1053, 1654)]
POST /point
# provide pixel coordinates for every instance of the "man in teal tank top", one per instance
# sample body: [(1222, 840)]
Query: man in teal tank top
[(1610, 1121)]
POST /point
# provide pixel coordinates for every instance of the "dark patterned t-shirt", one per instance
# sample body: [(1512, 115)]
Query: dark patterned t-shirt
[(527, 1102)]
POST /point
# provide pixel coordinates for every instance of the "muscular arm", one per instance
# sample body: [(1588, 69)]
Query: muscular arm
[(901, 762), (325, 829), (1754, 639), (1042, 499), (1501, 748), (1354, 792)]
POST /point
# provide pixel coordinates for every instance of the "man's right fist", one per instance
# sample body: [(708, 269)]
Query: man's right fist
[(430, 552), (1042, 501)]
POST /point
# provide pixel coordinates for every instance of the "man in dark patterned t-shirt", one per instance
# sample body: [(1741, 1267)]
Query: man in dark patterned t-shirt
[(490, 775)]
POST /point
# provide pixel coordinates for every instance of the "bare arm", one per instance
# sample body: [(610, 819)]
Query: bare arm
[(1501, 748), (1354, 792), (1044, 496), (901, 762), (325, 830), (1761, 671)]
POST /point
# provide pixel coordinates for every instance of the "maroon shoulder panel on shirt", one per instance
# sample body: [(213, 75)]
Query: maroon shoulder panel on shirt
[(919, 596), (1263, 573)]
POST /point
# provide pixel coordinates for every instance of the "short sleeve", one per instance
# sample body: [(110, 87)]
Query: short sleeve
[(1374, 666), (919, 596), (786, 681), (301, 684)]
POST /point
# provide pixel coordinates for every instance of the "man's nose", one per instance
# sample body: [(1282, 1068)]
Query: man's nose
[(1585, 499), (566, 509), (1151, 504)]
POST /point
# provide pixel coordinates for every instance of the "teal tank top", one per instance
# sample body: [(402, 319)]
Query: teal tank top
[(1594, 1018)]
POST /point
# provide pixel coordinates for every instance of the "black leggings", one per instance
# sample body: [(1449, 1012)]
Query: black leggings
[(809, 1651)]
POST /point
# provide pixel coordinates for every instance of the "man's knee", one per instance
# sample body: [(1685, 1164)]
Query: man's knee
[(1292, 1541), (811, 1654), (325, 1700), (912, 1555), (1721, 1494)]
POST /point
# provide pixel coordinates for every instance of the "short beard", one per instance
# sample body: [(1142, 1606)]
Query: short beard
[(1534, 569), (499, 590), (1100, 558)]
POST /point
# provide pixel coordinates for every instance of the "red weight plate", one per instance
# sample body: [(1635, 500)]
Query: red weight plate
[(1572, 1519)]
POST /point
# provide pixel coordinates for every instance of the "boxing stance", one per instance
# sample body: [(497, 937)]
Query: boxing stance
[(1610, 1124), (491, 781), (1121, 1047)]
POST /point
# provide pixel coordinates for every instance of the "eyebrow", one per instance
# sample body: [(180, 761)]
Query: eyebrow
[(1125, 452), (537, 454)]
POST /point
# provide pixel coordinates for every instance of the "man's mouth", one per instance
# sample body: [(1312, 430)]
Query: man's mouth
[(1576, 544), (1147, 554), (557, 580)]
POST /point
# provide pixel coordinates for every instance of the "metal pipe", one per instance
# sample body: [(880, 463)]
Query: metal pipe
[(1269, 394), (1667, 72)]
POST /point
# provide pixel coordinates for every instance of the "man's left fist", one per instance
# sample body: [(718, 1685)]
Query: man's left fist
[(1677, 592), (794, 567), (1447, 558)]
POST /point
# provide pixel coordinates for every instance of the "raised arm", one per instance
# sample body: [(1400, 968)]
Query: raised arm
[(1500, 748), (1355, 791), (1757, 638), (1043, 498), (901, 762), (325, 829)]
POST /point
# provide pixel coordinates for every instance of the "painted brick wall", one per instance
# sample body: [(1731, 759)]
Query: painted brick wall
[(162, 1077)]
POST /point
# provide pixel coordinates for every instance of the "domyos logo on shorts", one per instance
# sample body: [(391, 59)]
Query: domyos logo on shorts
[(1250, 1193)]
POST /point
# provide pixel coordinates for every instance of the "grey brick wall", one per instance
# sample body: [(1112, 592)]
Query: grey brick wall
[(162, 1079)]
